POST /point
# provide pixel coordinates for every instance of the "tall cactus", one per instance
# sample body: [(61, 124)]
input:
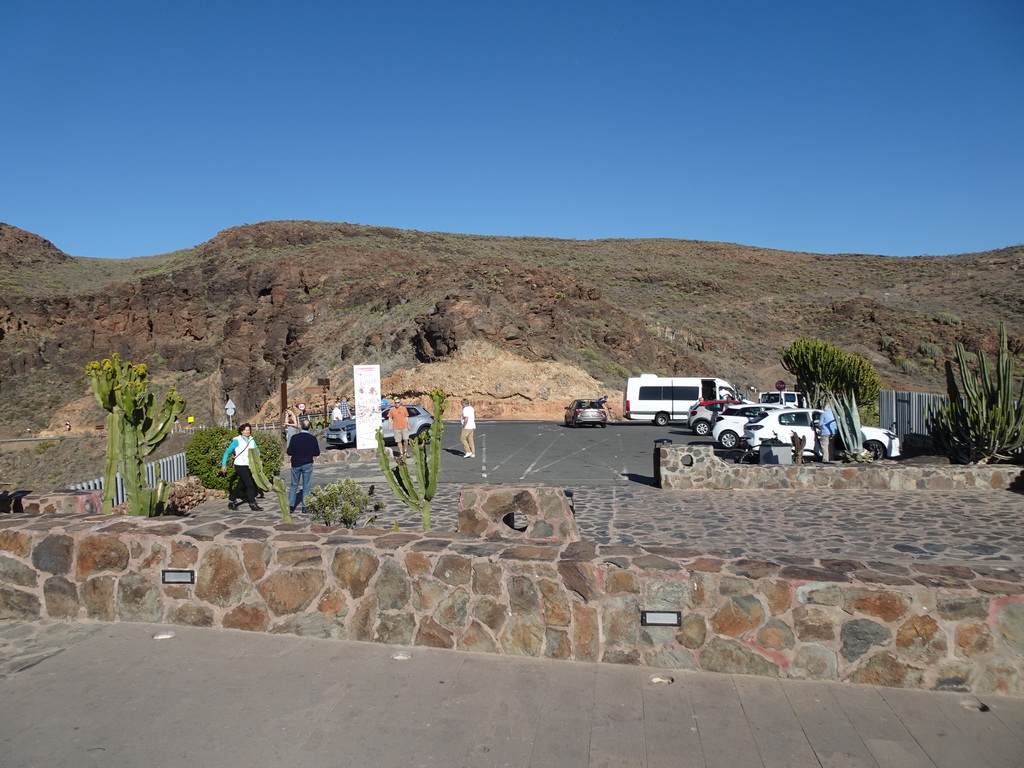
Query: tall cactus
[(417, 493), (135, 428), (984, 420)]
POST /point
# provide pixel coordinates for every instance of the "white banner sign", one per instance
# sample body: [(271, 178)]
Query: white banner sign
[(366, 380)]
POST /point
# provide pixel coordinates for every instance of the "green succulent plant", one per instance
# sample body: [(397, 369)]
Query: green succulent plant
[(416, 492), (136, 427)]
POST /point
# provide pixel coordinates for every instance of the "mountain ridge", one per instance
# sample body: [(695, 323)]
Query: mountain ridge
[(229, 316)]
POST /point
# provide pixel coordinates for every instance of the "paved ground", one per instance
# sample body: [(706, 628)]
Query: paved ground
[(950, 528), (90, 695)]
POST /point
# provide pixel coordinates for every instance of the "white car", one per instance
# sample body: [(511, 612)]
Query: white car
[(781, 424), (701, 417), (729, 423)]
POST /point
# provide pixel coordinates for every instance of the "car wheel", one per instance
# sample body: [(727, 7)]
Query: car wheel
[(701, 427), (728, 439), (603, 425), (661, 419), (875, 448), (423, 431)]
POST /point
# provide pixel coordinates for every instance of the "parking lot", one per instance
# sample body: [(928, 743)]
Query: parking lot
[(543, 452)]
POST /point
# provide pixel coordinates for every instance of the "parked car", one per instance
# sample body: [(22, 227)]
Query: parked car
[(343, 432), (586, 412), (702, 415), (781, 424), (729, 423)]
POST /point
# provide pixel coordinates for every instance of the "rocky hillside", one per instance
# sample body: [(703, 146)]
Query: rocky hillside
[(520, 325)]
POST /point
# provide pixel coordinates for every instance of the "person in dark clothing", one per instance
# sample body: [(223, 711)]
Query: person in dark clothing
[(303, 449)]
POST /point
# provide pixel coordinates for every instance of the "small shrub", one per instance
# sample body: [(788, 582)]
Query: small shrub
[(948, 318), (930, 350), (618, 370), (342, 503), (885, 342), (589, 355), (204, 451), (44, 447), (907, 366)]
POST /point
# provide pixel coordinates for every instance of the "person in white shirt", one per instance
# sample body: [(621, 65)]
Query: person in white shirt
[(468, 426), (336, 414)]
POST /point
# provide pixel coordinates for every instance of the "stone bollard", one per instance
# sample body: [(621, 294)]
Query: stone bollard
[(660, 443)]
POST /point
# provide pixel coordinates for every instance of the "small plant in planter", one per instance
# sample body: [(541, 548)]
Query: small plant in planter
[(342, 503)]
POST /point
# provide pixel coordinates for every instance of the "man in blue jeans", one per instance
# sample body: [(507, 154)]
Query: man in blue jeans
[(303, 448)]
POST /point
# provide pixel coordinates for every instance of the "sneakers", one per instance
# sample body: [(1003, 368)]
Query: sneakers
[(468, 455)]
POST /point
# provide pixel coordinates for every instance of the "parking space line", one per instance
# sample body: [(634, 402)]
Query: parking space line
[(533, 467)]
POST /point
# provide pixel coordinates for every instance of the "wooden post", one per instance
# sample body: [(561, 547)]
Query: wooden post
[(284, 400)]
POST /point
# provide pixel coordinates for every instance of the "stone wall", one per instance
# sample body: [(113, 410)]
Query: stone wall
[(914, 625), (185, 495), (690, 467)]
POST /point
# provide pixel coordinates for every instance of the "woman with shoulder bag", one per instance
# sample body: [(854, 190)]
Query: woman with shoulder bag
[(241, 446)]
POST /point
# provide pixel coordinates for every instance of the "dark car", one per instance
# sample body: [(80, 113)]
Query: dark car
[(586, 412), (343, 432)]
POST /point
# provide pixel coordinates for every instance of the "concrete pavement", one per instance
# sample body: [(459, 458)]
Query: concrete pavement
[(90, 694)]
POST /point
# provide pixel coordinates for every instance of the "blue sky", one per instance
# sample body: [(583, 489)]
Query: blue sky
[(896, 128)]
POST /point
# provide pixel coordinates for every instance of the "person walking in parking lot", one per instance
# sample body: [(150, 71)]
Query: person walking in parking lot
[(468, 427), (398, 421), (303, 449)]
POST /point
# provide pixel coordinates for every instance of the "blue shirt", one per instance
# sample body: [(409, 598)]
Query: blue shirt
[(827, 422)]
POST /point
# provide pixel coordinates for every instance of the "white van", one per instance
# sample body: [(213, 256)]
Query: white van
[(662, 399), (786, 397)]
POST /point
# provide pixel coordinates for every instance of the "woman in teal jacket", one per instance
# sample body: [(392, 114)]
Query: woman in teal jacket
[(241, 446)]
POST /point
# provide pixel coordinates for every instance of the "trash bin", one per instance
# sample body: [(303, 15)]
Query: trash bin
[(658, 444), (775, 454)]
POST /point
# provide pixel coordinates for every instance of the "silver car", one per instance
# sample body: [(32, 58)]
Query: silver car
[(586, 412), (343, 432)]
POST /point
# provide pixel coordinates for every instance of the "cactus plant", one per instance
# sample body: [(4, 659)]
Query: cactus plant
[(984, 420), (426, 458), (135, 428), (844, 406), (259, 475)]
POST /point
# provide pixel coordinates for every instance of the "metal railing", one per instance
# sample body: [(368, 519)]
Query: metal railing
[(171, 468)]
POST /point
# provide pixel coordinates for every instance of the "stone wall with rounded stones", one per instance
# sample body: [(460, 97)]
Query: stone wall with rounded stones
[(695, 467), (913, 626)]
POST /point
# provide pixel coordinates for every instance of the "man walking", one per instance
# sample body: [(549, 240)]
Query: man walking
[(827, 427), (303, 449), (468, 427), (346, 409), (398, 421)]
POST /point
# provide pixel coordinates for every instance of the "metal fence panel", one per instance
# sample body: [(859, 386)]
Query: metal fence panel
[(908, 411), (171, 468)]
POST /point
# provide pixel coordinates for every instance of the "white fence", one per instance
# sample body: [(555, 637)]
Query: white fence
[(171, 468)]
